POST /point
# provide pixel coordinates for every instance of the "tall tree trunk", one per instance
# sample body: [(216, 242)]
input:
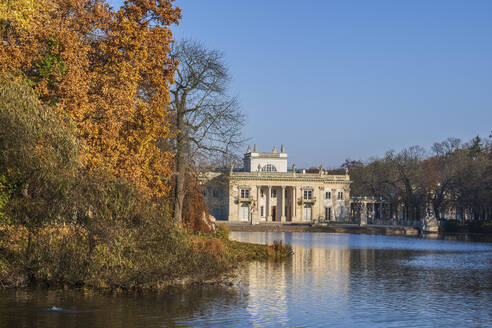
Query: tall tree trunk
[(180, 167)]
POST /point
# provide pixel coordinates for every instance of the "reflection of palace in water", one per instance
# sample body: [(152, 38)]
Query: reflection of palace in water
[(321, 260), (271, 284), (314, 259), (326, 272)]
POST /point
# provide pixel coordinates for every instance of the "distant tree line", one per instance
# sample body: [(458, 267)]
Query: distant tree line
[(452, 176)]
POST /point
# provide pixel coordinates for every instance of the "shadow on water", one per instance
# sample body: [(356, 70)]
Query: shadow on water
[(470, 237), (49, 308), (336, 280)]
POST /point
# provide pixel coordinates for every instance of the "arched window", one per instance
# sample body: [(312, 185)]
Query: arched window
[(269, 168)]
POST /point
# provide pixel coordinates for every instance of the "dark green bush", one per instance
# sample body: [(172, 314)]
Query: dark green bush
[(39, 158)]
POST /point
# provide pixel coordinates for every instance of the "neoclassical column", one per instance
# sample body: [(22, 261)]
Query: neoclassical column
[(238, 203), (268, 212), (293, 215), (258, 217), (230, 194), (282, 209), (301, 215)]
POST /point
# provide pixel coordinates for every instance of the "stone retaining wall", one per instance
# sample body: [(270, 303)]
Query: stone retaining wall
[(330, 228)]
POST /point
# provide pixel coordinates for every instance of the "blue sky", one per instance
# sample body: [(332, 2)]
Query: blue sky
[(351, 79)]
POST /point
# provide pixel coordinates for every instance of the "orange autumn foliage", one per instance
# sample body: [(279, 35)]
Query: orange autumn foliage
[(108, 71)]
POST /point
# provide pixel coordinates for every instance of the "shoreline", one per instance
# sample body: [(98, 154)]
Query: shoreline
[(385, 230), (222, 255), (225, 280), (327, 228)]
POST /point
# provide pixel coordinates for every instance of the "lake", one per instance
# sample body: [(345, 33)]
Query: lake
[(335, 280)]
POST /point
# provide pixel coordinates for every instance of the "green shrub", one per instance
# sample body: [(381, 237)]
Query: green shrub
[(5, 193), (39, 157), (222, 231)]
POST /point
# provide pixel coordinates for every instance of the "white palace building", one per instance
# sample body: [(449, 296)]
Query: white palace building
[(266, 190)]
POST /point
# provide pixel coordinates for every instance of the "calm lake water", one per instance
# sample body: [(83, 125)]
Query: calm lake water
[(333, 280)]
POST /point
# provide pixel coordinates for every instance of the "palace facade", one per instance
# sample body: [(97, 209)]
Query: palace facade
[(265, 189)]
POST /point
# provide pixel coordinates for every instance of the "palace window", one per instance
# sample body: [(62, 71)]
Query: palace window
[(269, 168), (340, 195), (244, 193), (328, 195), (328, 213), (308, 194), (274, 193), (262, 193), (262, 213)]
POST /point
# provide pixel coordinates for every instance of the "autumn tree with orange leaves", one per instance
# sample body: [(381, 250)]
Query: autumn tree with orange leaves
[(106, 70)]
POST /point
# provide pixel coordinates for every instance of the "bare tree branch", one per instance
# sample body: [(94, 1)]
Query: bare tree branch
[(208, 121)]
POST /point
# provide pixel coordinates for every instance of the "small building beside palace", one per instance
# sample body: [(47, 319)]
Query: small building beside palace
[(266, 190)]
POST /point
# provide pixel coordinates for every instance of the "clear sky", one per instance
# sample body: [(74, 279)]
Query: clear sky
[(351, 79)]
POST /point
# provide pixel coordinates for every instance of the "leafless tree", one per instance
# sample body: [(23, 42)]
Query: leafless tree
[(207, 120), (406, 165)]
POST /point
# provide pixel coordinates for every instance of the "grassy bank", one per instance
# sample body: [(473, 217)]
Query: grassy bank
[(126, 259)]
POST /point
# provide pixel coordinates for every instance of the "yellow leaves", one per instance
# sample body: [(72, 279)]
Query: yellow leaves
[(139, 120), (20, 12)]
